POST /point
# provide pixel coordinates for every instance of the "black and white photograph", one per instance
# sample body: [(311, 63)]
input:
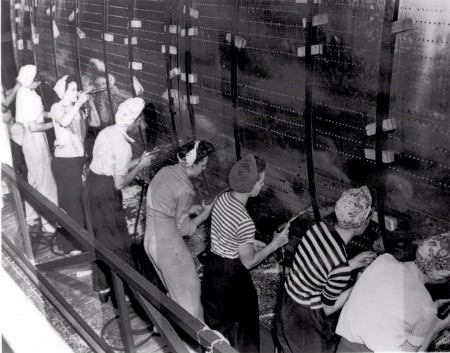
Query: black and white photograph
[(225, 176)]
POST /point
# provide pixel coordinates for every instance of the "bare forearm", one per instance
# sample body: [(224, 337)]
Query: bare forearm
[(120, 182), (259, 256), (339, 302), (40, 127), (134, 163), (67, 119), (10, 95)]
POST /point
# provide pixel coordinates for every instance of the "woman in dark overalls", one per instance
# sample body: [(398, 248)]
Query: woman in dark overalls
[(111, 170)]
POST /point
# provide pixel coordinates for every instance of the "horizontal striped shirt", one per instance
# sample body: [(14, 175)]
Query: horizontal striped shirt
[(231, 225), (320, 271)]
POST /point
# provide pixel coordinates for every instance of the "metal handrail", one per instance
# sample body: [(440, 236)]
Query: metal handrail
[(160, 306)]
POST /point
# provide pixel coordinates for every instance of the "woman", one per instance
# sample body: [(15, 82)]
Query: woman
[(390, 309), (111, 170), (30, 113), (170, 198), (228, 293), (68, 163)]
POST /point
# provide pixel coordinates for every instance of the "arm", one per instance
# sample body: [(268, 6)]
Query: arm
[(66, 120), (10, 95), (251, 258), (34, 126), (120, 181), (186, 224), (339, 303)]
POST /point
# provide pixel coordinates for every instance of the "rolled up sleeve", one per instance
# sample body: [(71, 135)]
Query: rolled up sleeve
[(122, 158), (183, 205)]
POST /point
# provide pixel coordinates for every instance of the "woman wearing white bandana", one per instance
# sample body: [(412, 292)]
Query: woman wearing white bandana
[(390, 309), (30, 113), (111, 170), (68, 163), (170, 198)]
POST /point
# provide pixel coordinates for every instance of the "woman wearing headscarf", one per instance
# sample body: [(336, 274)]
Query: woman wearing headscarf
[(317, 284), (111, 170), (30, 113), (170, 198), (68, 163), (228, 293), (390, 309)]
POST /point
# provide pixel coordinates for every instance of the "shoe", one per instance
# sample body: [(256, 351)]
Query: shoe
[(75, 252), (104, 295)]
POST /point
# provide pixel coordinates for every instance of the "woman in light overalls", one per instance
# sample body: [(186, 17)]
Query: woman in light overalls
[(30, 113)]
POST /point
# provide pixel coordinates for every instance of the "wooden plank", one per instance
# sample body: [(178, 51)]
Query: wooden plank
[(124, 317), (403, 25), (67, 261), (168, 308), (163, 325)]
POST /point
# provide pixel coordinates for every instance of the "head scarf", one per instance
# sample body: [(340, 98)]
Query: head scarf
[(191, 156), (244, 174), (433, 257), (353, 207), (60, 87), (129, 111), (26, 75)]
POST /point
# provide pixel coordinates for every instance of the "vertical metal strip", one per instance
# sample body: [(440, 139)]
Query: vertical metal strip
[(234, 84), (131, 32), (14, 32), (52, 21), (383, 104), (168, 42), (105, 55), (77, 43), (32, 24), (309, 73), (188, 68), (124, 317)]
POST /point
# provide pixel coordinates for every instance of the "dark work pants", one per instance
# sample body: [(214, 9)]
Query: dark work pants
[(300, 329), (67, 173), (109, 223), (230, 302)]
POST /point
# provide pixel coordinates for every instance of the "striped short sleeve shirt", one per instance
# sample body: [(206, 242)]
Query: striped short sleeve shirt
[(231, 225), (320, 271)]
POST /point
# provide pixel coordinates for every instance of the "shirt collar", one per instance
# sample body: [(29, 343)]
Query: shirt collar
[(124, 134)]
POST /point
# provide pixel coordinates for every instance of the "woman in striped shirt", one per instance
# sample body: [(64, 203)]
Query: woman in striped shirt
[(316, 285), (229, 297)]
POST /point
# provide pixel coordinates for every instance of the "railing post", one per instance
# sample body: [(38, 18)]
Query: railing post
[(124, 317), (23, 224)]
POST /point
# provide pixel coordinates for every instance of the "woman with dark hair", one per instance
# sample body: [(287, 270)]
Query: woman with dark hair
[(228, 293), (68, 163), (170, 198)]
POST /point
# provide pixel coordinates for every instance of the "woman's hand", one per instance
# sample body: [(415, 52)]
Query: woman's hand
[(83, 97), (145, 160), (281, 239), (207, 207), (362, 260), (196, 210), (438, 303)]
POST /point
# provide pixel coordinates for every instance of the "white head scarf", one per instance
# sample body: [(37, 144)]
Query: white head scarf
[(26, 75), (353, 207), (191, 156), (60, 87), (129, 111)]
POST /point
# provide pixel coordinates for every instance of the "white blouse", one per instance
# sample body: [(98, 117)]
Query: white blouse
[(69, 141), (29, 107)]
